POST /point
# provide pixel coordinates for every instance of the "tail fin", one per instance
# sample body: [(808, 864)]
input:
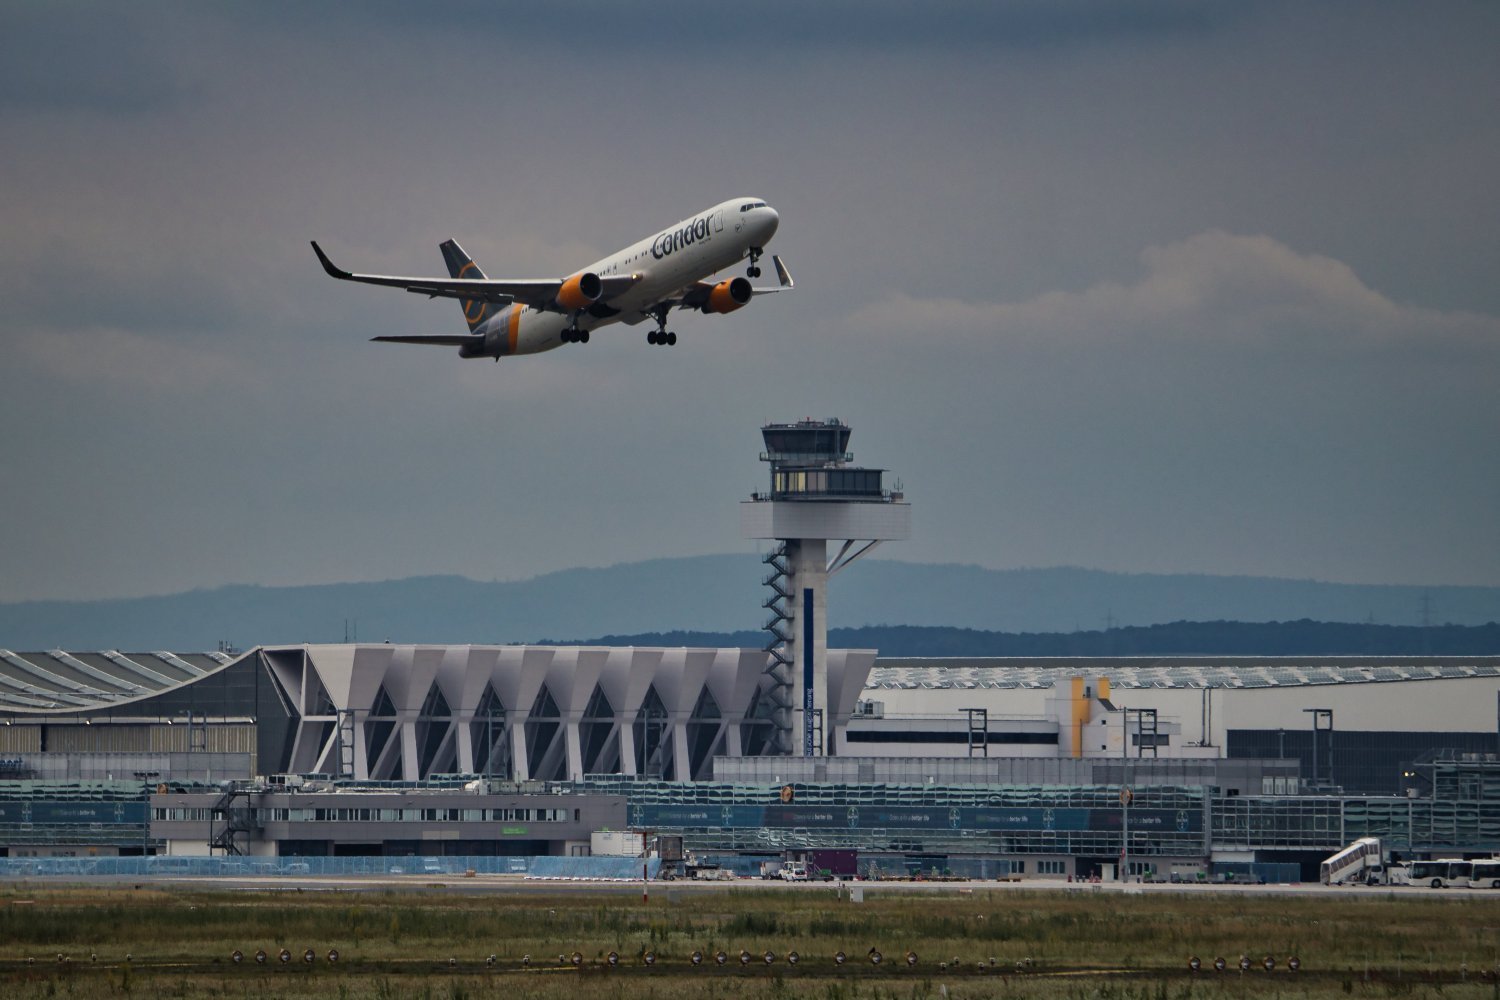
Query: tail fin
[(461, 265)]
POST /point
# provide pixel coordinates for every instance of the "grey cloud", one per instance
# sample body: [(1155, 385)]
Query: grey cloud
[(86, 57), (667, 31), (1207, 290), (86, 357), (964, 202)]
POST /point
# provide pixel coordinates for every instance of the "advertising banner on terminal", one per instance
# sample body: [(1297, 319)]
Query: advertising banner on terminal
[(990, 818), (72, 813)]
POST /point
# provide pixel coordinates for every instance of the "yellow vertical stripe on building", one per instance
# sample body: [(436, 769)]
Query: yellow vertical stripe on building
[(1080, 715)]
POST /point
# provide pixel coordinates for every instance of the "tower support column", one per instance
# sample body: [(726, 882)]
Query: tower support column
[(808, 558)]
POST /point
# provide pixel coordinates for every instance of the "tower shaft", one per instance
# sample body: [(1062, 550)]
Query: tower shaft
[(816, 496)]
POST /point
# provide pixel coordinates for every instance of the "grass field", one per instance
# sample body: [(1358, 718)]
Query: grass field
[(437, 943)]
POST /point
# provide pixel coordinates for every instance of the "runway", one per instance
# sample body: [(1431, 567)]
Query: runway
[(669, 889)]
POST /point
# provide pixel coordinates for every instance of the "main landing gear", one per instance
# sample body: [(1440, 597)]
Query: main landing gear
[(754, 270), (660, 335), (573, 335)]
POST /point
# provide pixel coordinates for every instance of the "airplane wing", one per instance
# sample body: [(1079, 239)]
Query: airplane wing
[(782, 275), (436, 341), (538, 293)]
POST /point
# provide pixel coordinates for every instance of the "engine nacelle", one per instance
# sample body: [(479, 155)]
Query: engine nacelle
[(728, 296), (580, 291)]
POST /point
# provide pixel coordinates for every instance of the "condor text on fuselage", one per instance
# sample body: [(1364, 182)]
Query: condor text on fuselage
[(682, 236), (675, 269)]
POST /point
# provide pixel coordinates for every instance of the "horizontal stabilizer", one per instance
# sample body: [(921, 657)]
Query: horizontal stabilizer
[(435, 341)]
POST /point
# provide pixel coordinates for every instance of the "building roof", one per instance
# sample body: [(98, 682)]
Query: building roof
[(56, 680), (1171, 672)]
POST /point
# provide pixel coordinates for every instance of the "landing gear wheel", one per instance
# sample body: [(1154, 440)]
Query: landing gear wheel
[(583, 336), (754, 272), (659, 335), (671, 339)]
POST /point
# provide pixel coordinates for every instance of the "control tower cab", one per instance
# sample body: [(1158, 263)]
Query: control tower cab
[(816, 497)]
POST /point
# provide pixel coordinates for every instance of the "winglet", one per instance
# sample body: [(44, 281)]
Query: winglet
[(328, 264), (782, 274)]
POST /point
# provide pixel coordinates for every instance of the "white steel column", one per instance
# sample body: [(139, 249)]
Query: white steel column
[(627, 746), (465, 742), (574, 746), (409, 761), (518, 760)]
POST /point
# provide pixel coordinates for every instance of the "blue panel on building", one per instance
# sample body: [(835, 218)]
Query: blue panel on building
[(854, 817)]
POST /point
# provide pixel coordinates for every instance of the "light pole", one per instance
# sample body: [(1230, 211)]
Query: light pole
[(1125, 795), (1321, 715)]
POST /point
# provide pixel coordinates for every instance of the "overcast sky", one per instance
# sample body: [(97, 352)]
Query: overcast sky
[(1148, 287)]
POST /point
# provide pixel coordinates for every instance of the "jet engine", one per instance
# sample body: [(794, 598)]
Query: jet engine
[(580, 291), (728, 296)]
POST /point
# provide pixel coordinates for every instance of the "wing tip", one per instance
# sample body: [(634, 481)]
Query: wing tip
[(782, 274), (327, 264)]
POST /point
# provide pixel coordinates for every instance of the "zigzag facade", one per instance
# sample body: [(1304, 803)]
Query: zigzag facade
[(405, 713)]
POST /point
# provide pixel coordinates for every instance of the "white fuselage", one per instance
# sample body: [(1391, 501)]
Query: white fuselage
[(667, 263)]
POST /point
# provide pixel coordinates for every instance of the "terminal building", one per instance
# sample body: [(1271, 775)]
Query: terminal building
[(985, 766)]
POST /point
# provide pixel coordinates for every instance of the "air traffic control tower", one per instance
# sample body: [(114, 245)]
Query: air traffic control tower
[(816, 497)]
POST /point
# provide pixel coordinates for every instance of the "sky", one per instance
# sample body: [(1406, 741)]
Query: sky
[(1146, 287)]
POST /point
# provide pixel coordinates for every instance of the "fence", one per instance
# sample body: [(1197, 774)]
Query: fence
[(590, 868)]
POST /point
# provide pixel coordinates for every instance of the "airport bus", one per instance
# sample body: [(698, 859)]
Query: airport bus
[(1442, 873), (1485, 874)]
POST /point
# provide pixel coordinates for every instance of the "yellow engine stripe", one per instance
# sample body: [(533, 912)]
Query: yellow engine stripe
[(515, 327)]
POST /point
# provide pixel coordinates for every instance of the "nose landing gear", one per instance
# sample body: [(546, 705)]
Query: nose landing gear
[(754, 270)]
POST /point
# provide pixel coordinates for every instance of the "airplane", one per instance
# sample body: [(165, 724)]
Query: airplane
[(646, 280)]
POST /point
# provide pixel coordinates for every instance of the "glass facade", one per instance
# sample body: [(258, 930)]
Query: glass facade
[(805, 483), (964, 819), (73, 813), (182, 814), (823, 441), (1462, 816), (1358, 762)]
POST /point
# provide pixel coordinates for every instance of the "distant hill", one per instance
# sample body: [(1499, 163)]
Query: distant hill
[(1300, 638), (717, 594)]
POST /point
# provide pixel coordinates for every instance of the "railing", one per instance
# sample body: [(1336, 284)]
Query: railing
[(779, 689), (600, 868)]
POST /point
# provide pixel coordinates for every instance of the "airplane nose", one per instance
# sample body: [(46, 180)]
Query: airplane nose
[(770, 222)]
